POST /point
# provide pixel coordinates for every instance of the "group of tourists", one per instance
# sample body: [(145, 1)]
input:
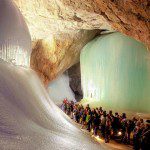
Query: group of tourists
[(109, 125)]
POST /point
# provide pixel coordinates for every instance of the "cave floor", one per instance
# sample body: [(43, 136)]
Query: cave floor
[(112, 145)]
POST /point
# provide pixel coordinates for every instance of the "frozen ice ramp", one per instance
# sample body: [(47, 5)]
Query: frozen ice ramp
[(30, 120)]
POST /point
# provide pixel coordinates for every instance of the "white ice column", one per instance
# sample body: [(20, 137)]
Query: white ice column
[(15, 41)]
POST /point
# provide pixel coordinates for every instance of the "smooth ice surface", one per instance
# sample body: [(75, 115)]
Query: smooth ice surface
[(15, 41), (115, 72), (60, 89), (29, 120)]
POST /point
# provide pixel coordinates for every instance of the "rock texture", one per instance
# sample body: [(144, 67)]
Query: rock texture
[(65, 23), (131, 17), (53, 56), (46, 17), (75, 81)]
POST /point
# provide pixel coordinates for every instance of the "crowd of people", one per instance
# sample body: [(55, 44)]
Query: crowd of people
[(109, 125)]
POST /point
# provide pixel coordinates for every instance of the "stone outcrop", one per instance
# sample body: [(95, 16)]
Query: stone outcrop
[(53, 56)]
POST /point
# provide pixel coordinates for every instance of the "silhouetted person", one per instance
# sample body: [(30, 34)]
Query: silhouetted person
[(107, 131), (123, 127), (137, 136), (115, 123), (103, 123), (145, 139), (129, 130), (88, 118), (96, 123)]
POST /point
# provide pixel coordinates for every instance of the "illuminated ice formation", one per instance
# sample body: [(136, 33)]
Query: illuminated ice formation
[(29, 120), (15, 42), (115, 72), (60, 89)]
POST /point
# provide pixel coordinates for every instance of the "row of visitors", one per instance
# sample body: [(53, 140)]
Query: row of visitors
[(109, 125)]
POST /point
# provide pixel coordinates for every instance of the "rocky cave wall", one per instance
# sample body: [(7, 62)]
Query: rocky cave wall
[(131, 17), (75, 81), (60, 28), (51, 57)]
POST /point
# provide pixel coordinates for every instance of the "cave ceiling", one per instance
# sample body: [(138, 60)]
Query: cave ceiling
[(60, 28)]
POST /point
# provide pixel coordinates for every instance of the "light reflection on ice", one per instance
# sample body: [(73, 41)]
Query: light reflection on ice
[(30, 120), (61, 84)]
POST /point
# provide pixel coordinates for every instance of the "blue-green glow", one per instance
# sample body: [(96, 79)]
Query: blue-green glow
[(115, 70)]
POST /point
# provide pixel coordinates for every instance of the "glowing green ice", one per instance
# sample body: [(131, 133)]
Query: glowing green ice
[(115, 71)]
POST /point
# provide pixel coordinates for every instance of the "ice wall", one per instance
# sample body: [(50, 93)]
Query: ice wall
[(115, 71), (60, 89), (15, 41)]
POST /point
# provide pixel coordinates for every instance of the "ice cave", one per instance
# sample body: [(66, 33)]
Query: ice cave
[(115, 73), (58, 56)]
